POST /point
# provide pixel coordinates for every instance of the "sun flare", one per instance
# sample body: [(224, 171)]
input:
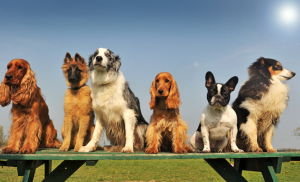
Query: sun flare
[(288, 14)]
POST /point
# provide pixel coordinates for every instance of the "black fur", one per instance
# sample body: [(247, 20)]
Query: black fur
[(74, 74), (133, 103)]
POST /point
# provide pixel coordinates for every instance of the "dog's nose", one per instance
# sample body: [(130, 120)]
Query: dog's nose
[(160, 91), (293, 73), (99, 58), (8, 76), (218, 96)]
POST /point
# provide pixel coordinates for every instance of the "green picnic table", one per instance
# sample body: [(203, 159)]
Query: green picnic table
[(266, 163)]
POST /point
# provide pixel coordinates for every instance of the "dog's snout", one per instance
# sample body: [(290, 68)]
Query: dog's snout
[(218, 97), (160, 91), (293, 73), (99, 58), (8, 76)]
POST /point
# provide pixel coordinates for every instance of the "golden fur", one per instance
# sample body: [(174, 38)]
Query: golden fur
[(79, 117), (31, 126), (167, 131)]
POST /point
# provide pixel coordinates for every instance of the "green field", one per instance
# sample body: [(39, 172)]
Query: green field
[(152, 170)]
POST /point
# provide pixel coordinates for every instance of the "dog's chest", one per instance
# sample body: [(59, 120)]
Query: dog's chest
[(78, 102)]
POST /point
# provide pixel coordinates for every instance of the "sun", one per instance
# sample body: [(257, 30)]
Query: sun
[(288, 14)]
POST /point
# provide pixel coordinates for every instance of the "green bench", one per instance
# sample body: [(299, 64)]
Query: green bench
[(266, 163)]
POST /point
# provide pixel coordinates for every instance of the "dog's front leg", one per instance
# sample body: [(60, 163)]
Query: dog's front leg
[(130, 122), (83, 127), (66, 132), (233, 132), (96, 136), (34, 134), (268, 139), (205, 137)]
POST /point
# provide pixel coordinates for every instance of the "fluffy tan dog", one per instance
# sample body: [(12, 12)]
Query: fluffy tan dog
[(79, 117)]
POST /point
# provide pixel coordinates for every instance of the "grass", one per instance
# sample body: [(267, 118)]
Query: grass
[(152, 170)]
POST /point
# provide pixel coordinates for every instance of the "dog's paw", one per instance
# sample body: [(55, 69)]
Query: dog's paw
[(257, 150), (237, 150), (86, 149), (151, 151), (127, 149), (271, 150), (197, 150), (27, 150), (180, 151), (63, 149), (206, 150), (9, 150)]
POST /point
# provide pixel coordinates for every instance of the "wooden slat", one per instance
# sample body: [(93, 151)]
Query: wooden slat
[(54, 154)]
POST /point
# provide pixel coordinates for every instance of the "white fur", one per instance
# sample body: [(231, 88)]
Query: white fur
[(284, 75), (216, 121)]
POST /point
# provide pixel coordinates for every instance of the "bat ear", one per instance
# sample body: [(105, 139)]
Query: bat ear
[(68, 58), (232, 82), (209, 79)]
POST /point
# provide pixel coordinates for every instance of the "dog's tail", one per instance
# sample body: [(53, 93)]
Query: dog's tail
[(141, 127)]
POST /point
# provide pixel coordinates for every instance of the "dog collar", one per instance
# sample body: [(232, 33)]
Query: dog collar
[(176, 110), (77, 88)]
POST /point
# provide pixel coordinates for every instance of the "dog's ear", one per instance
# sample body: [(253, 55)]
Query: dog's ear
[(260, 67), (117, 63), (79, 59), (232, 82), (209, 79), (152, 93), (173, 100), (5, 97), (68, 58), (25, 94), (91, 67)]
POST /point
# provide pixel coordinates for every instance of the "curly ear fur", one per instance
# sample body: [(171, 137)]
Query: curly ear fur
[(5, 97), (152, 93), (173, 101), (25, 93)]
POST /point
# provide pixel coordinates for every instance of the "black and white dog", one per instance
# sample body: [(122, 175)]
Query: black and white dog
[(217, 118), (116, 107), (261, 100)]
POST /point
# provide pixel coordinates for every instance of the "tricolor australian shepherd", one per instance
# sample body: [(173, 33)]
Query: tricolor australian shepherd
[(261, 100), (116, 107)]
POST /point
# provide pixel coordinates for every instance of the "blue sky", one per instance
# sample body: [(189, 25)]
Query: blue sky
[(185, 38)]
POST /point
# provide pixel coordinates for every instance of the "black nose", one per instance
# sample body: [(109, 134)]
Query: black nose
[(293, 73), (99, 58), (218, 96), (8, 76), (160, 91)]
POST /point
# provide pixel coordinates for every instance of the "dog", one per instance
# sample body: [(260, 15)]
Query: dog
[(167, 131), (259, 104), (31, 126), (116, 107), (79, 116), (217, 119)]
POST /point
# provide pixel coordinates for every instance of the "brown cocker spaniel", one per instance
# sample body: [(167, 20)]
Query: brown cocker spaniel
[(31, 126), (167, 131)]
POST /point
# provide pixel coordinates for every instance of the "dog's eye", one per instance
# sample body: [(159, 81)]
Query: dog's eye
[(8, 67), (225, 94), (167, 80), (212, 93), (278, 67), (157, 80), (20, 67)]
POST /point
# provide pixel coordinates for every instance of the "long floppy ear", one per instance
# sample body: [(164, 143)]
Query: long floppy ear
[(68, 58), (173, 100), (79, 59), (117, 63), (209, 79), (231, 83), (5, 97), (25, 94), (152, 93)]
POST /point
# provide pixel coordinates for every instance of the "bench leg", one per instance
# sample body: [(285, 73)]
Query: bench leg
[(225, 170), (267, 170), (64, 171), (29, 171), (48, 168)]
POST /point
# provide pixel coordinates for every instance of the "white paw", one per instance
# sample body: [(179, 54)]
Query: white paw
[(86, 149), (237, 150), (127, 149), (206, 150)]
